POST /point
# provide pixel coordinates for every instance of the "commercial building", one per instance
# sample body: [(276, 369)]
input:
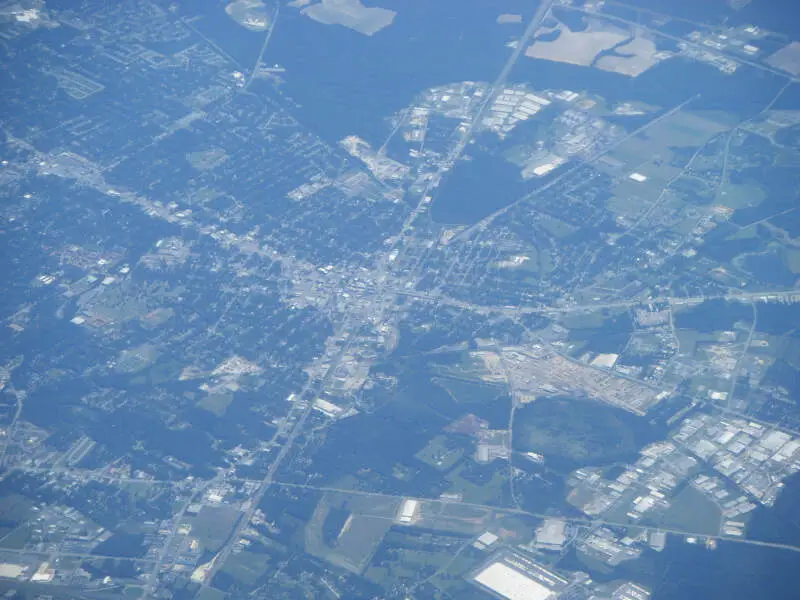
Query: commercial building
[(516, 576), (408, 511), (509, 583), (551, 535), (485, 541), (12, 571)]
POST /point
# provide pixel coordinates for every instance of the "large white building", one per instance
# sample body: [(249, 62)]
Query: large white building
[(408, 511), (512, 584)]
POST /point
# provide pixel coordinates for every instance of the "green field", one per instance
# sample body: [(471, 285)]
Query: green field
[(369, 520), (213, 525), (576, 432), (689, 338), (743, 195), (453, 574), (793, 260), (16, 510), (588, 320), (692, 511), (413, 558), (440, 453), (216, 404), (246, 567), (209, 593), (485, 493)]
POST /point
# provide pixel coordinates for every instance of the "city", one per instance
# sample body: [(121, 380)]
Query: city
[(500, 335)]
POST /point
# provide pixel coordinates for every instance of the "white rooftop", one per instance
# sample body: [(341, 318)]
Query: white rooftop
[(488, 538), (510, 583), (408, 510)]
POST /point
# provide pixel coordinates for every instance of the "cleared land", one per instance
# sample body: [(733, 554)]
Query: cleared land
[(351, 14)]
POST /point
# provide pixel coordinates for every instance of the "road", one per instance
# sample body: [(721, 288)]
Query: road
[(486, 221), (19, 396), (383, 293), (786, 295), (740, 360), (499, 82), (270, 482), (257, 65), (383, 298), (643, 217), (698, 46), (264, 485), (188, 24), (574, 520), (152, 579), (494, 90)]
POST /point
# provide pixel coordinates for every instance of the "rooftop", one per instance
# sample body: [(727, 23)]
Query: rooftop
[(510, 583)]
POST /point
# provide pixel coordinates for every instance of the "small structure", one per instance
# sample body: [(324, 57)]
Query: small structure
[(485, 540), (409, 511)]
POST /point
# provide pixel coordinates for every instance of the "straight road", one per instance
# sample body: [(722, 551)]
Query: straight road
[(152, 580), (499, 83), (698, 46), (746, 297), (486, 221), (383, 293), (257, 66), (574, 520)]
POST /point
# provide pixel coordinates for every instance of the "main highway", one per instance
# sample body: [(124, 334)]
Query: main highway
[(383, 297)]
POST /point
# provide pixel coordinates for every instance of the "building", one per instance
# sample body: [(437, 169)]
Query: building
[(509, 583), (630, 591), (516, 576), (328, 408), (408, 512), (551, 535), (486, 540), (44, 574), (12, 571)]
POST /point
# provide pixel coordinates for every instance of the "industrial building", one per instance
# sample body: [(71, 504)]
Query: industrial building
[(512, 584), (511, 575), (409, 511), (551, 535), (485, 541)]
